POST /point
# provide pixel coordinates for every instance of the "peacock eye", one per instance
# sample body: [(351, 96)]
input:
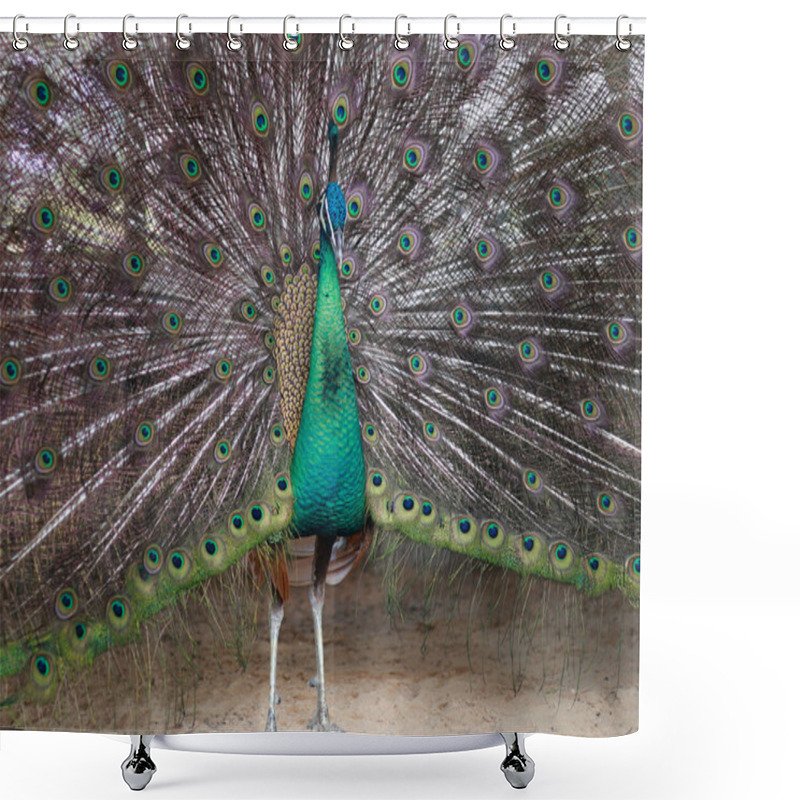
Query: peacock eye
[(362, 374), (633, 567), (528, 352), (236, 525), (549, 281), (316, 252), (212, 554), (629, 125), (10, 372), (370, 432), (267, 275), (461, 319), (431, 430), (190, 167), (348, 268), (354, 336), (617, 332), (118, 613), (223, 369), (532, 481), (133, 264), (60, 289), (485, 160), (561, 556), (408, 241), (494, 399), (401, 73), (283, 485), (286, 255), (465, 55), (197, 77), (418, 365), (99, 369), (153, 559), (269, 340), (44, 218), (45, 461), (590, 409), (172, 322), (248, 311), (277, 435), (633, 239), (546, 71), (38, 92), (268, 375), (414, 157), (341, 109), (178, 565), (377, 304), (606, 504), (119, 75), (144, 434), (355, 205), (306, 188), (558, 197), (213, 254), (259, 119), (493, 535), (66, 604), (258, 220), (111, 178)]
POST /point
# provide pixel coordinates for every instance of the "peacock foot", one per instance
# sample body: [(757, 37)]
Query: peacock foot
[(322, 722), (138, 768), (272, 725)]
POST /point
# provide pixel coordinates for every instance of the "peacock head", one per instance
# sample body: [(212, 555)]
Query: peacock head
[(332, 209)]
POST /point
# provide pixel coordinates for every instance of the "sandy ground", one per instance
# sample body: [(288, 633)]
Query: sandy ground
[(558, 663)]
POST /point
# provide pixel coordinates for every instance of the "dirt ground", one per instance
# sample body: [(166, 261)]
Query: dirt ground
[(557, 662)]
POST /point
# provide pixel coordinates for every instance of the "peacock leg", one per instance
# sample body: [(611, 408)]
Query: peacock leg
[(275, 619), (138, 768), (517, 766), (322, 556)]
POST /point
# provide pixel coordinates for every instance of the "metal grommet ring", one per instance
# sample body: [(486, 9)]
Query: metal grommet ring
[(289, 42), (128, 42), (181, 42), (561, 42), (234, 43), (70, 42), (507, 42), (623, 43), (19, 42), (450, 42), (401, 42), (345, 42)]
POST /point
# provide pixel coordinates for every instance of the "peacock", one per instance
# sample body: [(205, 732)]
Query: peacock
[(267, 314)]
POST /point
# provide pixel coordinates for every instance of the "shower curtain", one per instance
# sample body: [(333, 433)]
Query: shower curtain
[(320, 384)]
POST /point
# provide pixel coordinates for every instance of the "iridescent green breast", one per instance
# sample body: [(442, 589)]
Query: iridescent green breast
[(327, 468)]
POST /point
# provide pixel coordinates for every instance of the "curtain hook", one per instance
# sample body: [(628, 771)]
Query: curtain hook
[(181, 42), (623, 43), (70, 42), (345, 42), (561, 42), (234, 43), (289, 42), (507, 42), (401, 42), (19, 42), (451, 42), (128, 42)]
